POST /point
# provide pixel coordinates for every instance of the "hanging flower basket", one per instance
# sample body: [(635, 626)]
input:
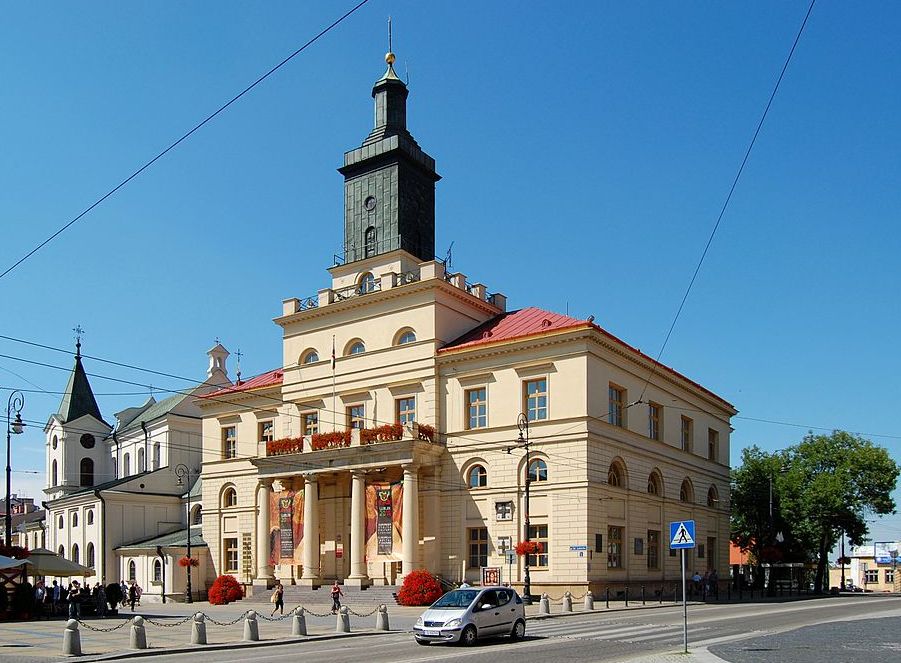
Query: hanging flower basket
[(528, 548), (188, 561)]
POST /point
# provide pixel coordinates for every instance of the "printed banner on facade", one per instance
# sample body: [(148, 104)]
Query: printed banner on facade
[(286, 527), (384, 521)]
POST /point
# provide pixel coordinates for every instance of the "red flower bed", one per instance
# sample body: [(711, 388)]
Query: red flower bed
[(426, 433), (288, 445), (420, 588), (386, 433), (188, 561), (225, 589), (528, 548), (331, 440)]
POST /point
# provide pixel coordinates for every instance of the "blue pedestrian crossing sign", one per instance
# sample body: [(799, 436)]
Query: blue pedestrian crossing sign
[(682, 534)]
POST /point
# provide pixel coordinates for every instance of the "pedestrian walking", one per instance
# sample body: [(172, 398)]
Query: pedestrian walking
[(124, 589), (133, 595), (101, 600), (55, 597), (278, 598), (74, 600), (336, 598), (40, 593)]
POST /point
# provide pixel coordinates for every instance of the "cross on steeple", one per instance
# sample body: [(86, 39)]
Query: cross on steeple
[(238, 354), (78, 334)]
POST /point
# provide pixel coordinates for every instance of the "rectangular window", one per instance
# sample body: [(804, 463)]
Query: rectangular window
[(356, 416), (639, 547), (711, 552), (654, 417), (653, 549), (309, 423), (614, 547), (405, 410), (535, 397), (889, 575), (229, 442), (617, 403), (871, 576), (478, 547), (713, 444), (539, 533), (503, 510), (230, 554), (700, 551), (477, 408), (687, 433), (599, 543), (265, 431)]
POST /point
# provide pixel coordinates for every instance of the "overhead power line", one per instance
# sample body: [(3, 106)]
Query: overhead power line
[(184, 137)]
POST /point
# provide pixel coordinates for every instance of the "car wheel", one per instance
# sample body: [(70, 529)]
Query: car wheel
[(519, 630), (468, 637)]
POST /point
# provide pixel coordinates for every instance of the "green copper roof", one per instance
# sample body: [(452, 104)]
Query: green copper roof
[(176, 539), (78, 399)]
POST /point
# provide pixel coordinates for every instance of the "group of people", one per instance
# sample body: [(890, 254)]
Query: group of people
[(278, 598), (706, 585), (53, 600)]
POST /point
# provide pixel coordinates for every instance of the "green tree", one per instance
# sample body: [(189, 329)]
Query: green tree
[(832, 482)]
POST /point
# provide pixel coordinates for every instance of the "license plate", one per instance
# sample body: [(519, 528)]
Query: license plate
[(432, 633)]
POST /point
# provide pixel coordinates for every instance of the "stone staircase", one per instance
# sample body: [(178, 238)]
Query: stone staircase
[(354, 597)]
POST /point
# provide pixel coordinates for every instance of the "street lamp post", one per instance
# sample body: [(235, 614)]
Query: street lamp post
[(16, 402), (182, 472), (523, 424)]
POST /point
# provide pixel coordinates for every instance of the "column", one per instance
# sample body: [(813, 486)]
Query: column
[(310, 575), (264, 568), (358, 575), (432, 535), (411, 519)]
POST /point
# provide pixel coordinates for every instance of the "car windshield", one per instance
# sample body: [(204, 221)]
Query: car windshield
[(459, 598)]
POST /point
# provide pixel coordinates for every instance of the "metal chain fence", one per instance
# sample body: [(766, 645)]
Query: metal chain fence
[(169, 625), (104, 630)]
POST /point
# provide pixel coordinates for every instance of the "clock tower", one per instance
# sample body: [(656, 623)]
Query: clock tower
[(389, 183)]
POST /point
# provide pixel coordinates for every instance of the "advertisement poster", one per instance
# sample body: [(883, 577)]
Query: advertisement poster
[(883, 552), (286, 527), (384, 521)]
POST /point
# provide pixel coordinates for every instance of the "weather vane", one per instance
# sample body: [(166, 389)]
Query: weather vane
[(78, 334)]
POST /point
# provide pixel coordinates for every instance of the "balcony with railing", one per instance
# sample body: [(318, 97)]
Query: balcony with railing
[(350, 438)]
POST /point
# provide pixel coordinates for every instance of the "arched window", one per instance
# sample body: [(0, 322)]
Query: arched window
[(713, 497), (686, 493), (408, 336), (309, 357), (75, 553), (86, 468), (61, 551), (616, 475), (90, 516), (229, 498), (55, 441), (478, 477), (367, 283), (132, 571), (55, 477), (61, 523), (142, 463), (369, 240), (75, 520), (537, 470), (156, 455), (157, 571), (87, 441), (655, 485), (197, 515), (126, 465), (355, 347), (89, 556)]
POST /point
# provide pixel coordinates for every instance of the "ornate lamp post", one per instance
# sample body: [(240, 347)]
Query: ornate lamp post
[(182, 472), (15, 403), (523, 424)]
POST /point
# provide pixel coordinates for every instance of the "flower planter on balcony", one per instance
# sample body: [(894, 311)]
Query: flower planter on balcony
[(288, 445)]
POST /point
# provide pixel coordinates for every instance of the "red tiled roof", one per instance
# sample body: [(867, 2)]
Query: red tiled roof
[(263, 380), (533, 321)]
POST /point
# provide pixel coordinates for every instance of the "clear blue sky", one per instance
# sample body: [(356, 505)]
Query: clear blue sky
[(586, 149)]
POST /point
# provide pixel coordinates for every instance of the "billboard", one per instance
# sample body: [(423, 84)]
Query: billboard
[(286, 527), (884, 550), (384, 521)]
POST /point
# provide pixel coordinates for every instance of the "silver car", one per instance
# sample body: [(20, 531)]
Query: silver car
[(464, 615)]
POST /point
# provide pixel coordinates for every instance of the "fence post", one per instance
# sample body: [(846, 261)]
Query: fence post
[(198, 630), (251, 627), (299, 623), (589, 600), (381, 618), (71, 639), (343, 623), (567, 602), (138, 634), (642, 595), (544, 605)]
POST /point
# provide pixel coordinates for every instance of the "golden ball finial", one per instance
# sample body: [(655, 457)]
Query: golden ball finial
[(389, 58)]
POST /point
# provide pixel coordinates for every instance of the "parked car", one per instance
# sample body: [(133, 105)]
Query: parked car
[(464, 615)]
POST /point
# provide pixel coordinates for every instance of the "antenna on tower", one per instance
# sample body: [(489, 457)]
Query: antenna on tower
[(406, 74), (390, 50), (448, 259)]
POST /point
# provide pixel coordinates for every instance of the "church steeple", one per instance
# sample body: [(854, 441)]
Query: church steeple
[(389, 182), (78, 399)]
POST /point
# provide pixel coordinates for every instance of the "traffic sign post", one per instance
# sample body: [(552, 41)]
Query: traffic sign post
[(682, 537)]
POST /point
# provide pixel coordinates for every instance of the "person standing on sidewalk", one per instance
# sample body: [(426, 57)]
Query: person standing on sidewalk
[(133, 595), (74, 600), (278, 598), (336, 598)]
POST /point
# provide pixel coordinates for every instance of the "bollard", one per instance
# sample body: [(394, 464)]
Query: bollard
[(299, 623), (642, 595), (589, 600), (251, 627), (71, 639), (198, 630), (138, 634), (381, 618), (661, 595), (607, 596), (626, 595), (544, 606), (343, 624), (567, 602)]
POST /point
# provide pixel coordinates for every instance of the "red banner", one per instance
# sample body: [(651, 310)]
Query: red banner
[(286, 527)]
